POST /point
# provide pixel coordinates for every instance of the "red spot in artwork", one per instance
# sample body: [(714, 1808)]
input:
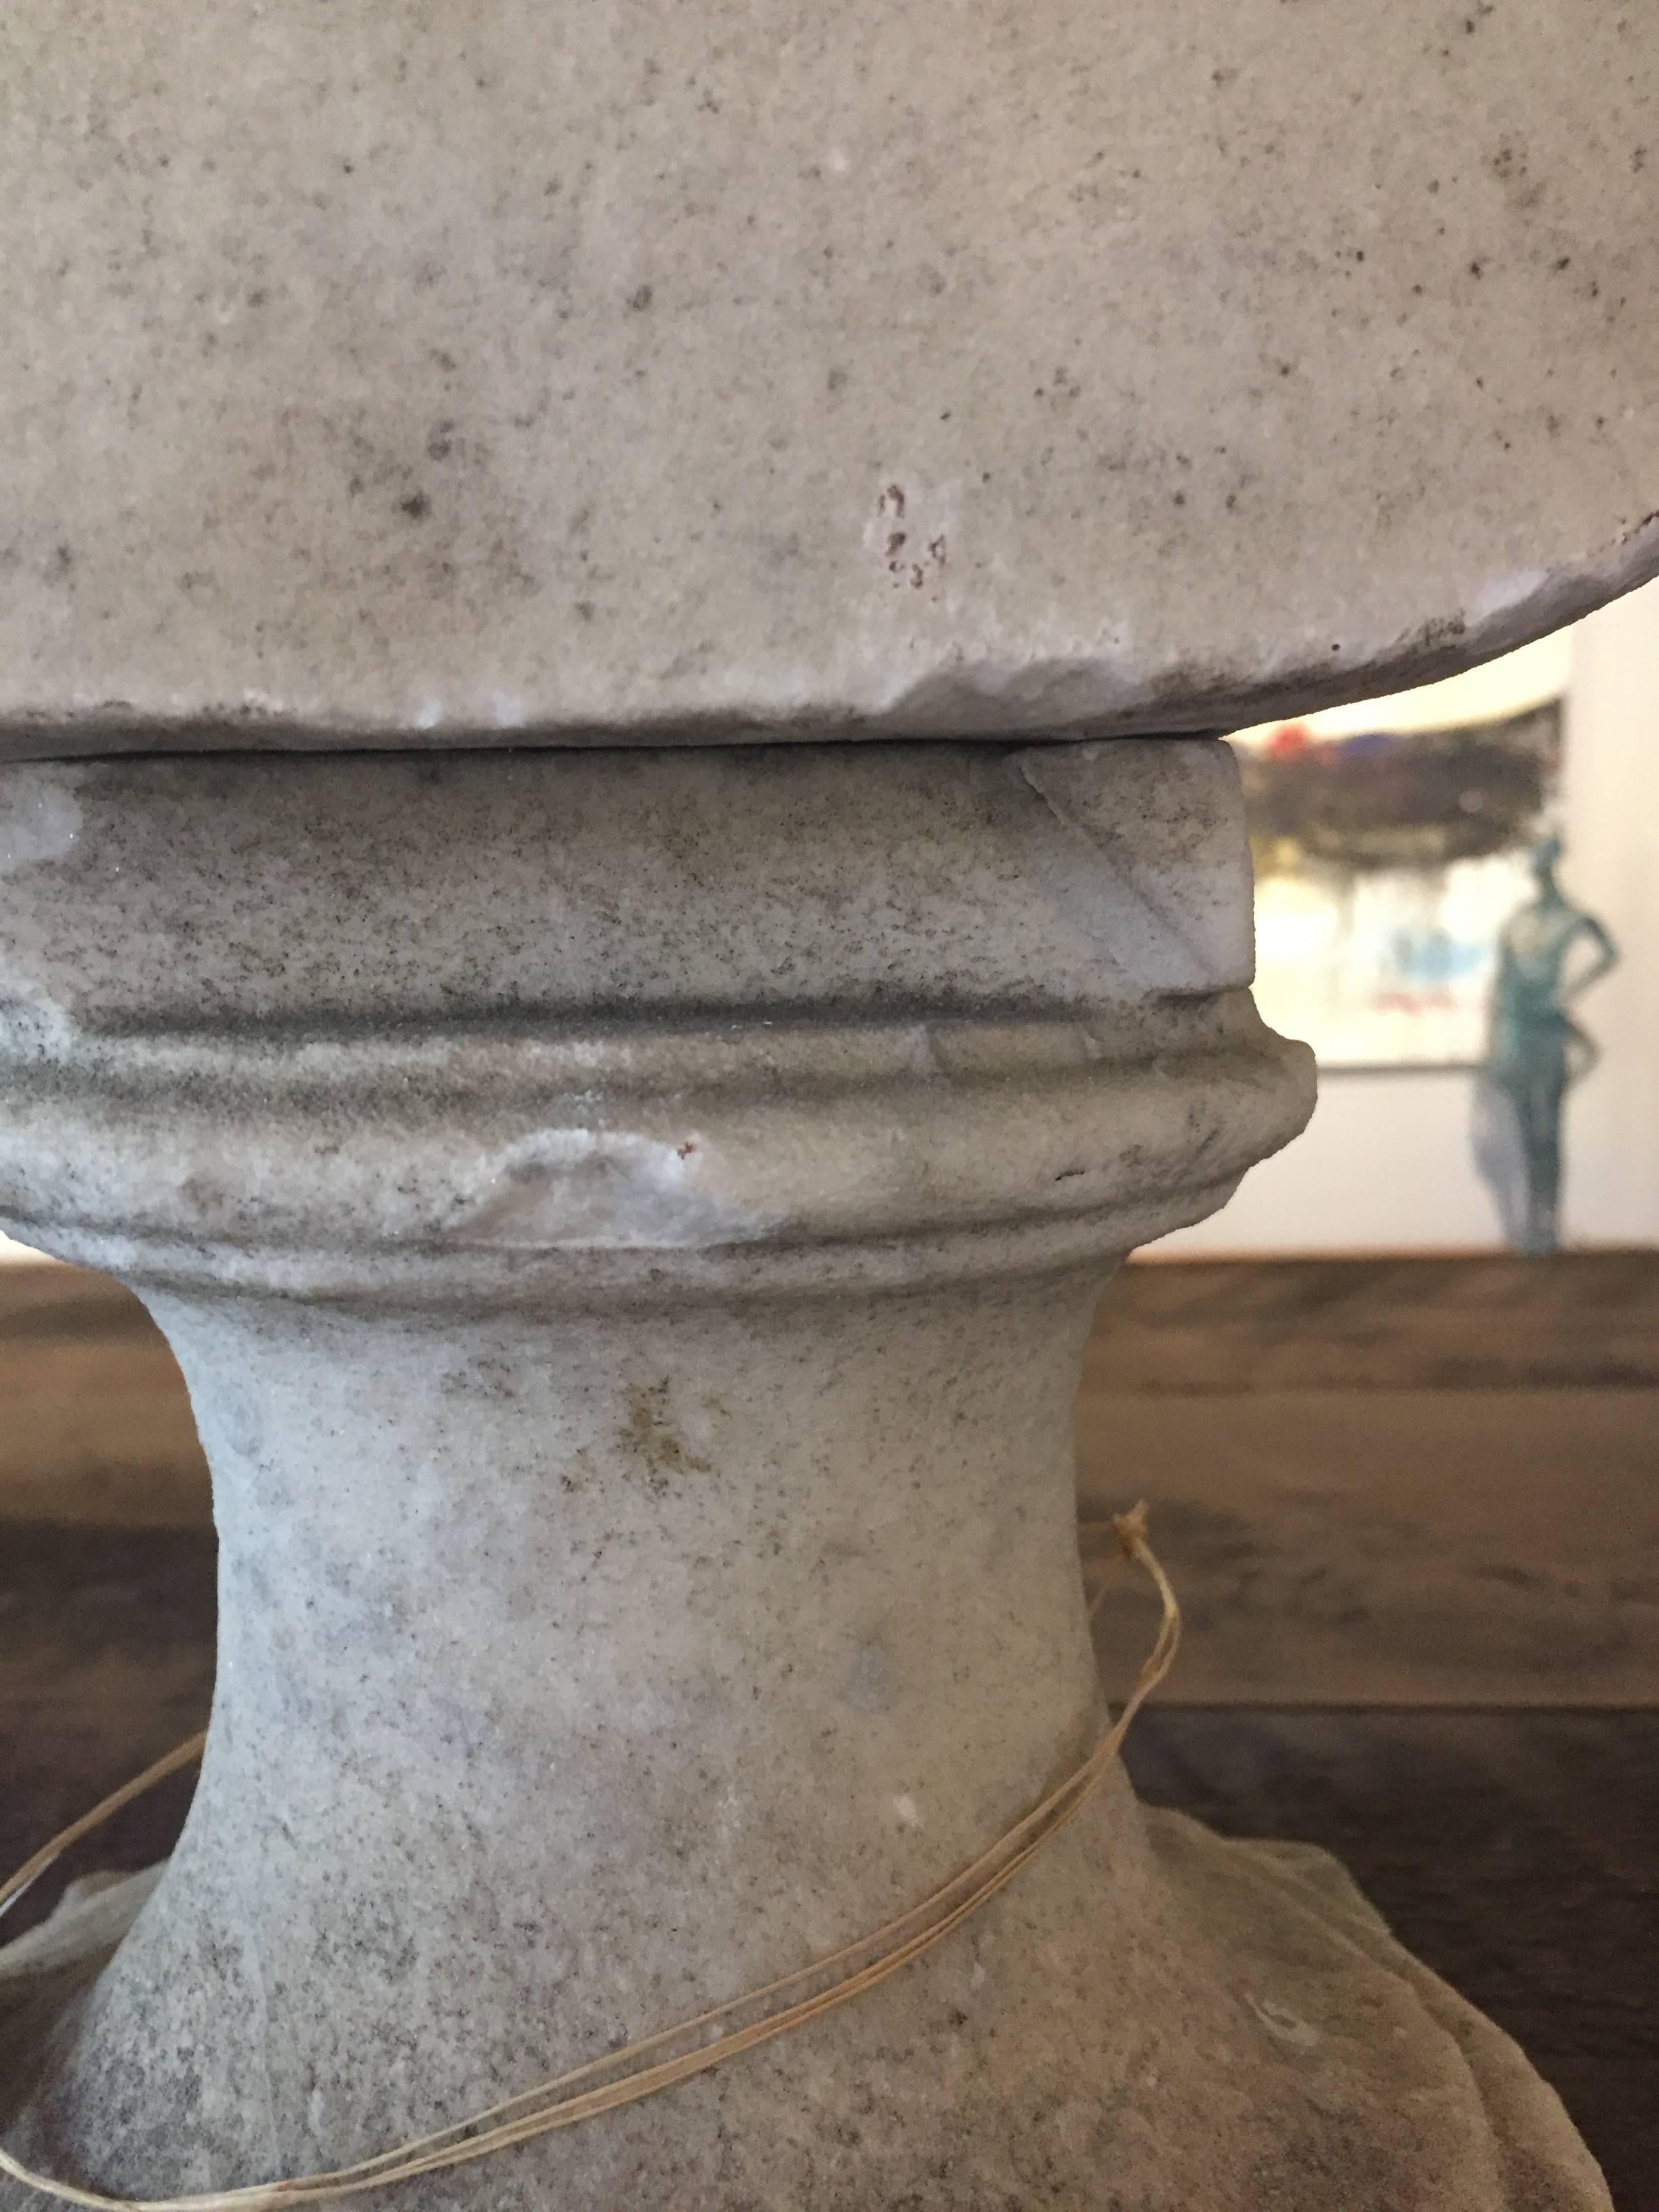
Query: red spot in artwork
[(1289, 740)]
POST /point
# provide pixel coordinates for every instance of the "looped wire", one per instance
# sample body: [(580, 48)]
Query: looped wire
[(623, 2077)]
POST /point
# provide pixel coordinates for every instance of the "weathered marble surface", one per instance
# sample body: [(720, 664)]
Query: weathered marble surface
[(563, 1014), (1250, 2035), (402, 374), (634, 1328)]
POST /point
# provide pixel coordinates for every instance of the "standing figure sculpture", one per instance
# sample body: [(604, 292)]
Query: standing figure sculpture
[(1536, 1051)]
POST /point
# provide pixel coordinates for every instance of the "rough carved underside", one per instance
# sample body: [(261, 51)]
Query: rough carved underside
[(649, 371)]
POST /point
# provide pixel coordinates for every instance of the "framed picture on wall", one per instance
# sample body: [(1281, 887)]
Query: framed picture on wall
[(1391, 844)]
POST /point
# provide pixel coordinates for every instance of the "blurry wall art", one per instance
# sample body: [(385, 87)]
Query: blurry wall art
[(1400, 844), (1388, 860)]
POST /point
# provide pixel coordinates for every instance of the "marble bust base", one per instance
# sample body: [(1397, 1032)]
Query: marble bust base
[(629, 1224), (1257, 2036)]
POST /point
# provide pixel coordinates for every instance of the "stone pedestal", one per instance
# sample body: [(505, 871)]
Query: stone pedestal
[(629, 1217), (629, 1224)]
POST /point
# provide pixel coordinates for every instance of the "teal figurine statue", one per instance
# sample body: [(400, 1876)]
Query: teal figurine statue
[(1550, 954)]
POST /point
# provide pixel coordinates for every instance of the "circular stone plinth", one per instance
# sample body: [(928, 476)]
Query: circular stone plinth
[(1150, 2016), (658, 372)]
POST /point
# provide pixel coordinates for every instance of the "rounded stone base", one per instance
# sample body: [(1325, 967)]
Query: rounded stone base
[(1150, 2019), (631, 1229)]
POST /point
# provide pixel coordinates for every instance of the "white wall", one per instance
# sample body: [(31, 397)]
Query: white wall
[(1386, 1163), (1613, 818), (1382, 1166)]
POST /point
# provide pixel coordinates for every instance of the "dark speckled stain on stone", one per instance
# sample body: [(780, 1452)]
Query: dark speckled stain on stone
[(651, 1437)]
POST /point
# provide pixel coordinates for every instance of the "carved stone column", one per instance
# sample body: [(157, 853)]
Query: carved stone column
[(627, 1191), (630, 1224)]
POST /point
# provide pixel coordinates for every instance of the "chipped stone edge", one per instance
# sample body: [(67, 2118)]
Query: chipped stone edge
[(1061, 697)]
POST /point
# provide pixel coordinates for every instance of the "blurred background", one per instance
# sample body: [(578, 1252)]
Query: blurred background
[(1395, 1408)]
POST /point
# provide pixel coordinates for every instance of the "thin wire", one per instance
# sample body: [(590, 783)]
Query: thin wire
[(559, 2102), (31, 1869)]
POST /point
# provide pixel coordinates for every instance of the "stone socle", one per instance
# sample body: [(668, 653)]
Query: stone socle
[(630, 1225)]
